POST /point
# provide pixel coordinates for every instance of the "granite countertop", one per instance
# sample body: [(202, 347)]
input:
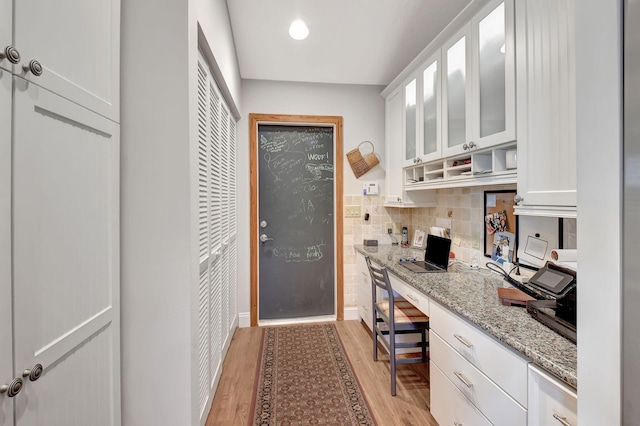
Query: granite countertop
[(473, 295)]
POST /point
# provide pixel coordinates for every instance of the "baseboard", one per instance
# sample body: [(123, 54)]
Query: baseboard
[(244, 319), (351, 313)]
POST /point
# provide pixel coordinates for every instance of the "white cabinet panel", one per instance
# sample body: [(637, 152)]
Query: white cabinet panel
[(546, 103), (6, 29), (77, 42), (550, 401), (416, 298), (66, 257), (6, 369), (449, 406)]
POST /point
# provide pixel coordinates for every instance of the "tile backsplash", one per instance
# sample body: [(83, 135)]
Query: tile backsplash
[(464, 206)]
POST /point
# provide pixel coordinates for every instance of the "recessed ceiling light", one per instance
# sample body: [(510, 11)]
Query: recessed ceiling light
[(298, 30)]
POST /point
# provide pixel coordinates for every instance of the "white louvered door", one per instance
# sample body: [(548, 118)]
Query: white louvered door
[(216, 221), (66, 300)]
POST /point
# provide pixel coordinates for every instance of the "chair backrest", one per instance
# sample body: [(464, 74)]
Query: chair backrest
[(379, 278)]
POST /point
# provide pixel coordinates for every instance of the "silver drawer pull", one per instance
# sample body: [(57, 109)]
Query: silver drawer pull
[(463, 379), (457, 424), (463, 340), (562, 420), (413, 298)]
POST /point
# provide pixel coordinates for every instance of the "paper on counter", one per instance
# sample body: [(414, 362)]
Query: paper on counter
[(437, 231), (566, 255)]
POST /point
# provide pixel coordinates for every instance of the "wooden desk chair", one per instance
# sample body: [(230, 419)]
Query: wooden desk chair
[(395, 316)]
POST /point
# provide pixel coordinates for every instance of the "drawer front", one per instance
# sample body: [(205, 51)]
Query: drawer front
[(364, 305), (417, 298), (551, 402), (449, 406), (492, 401), (501, 364)]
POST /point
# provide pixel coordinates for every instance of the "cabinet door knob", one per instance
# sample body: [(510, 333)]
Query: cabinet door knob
[(465, 146), (11, 54), (472, 144), (518, 199), (34, 67), (13, 388), (33, 374)]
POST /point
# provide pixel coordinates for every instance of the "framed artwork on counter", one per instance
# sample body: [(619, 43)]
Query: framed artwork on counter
[(501, 226)]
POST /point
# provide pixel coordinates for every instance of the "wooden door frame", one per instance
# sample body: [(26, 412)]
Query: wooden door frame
[(300, 120)]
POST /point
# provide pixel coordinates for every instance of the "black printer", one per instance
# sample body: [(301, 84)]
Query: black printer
[(556, 289)]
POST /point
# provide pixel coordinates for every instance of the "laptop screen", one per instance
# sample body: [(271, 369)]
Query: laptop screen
[(438, 251)]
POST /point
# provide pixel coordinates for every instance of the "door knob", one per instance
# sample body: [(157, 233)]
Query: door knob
[(13, 388), (11, 54), (465, 146), (518, 198), (263, 224), (264, 238), (34, 66), (33, 374)]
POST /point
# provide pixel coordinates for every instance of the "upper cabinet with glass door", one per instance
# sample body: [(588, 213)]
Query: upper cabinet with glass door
[(478, 105), (422, 114)]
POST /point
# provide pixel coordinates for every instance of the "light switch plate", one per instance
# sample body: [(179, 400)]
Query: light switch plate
[(352, 211)]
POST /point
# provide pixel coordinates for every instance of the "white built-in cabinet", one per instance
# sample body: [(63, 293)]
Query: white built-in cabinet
[(217, 304), (551, 402), (396, 196), (59, 213), (458, 107), (547, 177), (364, 291)]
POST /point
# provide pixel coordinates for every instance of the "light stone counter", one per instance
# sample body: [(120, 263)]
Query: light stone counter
[(472, 294)]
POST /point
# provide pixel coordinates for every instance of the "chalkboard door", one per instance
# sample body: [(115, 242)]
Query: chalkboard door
[(296, 218)]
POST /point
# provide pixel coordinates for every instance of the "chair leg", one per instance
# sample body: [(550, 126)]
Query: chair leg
[(424, 345), (392, 360)]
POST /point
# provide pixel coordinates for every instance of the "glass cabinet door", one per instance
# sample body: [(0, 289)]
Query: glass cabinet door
[(494, 67), (456, 93), (431, 110), (410, 122)]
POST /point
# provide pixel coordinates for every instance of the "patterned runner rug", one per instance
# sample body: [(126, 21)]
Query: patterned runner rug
[(305, 378)]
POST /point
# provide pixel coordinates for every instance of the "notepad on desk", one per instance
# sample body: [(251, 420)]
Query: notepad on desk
[(513, 296)]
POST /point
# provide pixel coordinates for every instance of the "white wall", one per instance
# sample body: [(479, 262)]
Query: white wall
[(362, 109), (599, 145), (213, 17), (159, 233)]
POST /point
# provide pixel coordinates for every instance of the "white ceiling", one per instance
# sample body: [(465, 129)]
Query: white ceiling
[(350, 41)]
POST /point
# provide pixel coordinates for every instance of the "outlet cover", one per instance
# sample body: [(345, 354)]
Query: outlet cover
[(352, 211)]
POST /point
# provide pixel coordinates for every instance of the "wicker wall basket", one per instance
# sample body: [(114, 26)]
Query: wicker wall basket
[(362, 164)]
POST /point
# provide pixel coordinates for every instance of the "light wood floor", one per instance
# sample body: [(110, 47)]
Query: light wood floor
[(410, 406)]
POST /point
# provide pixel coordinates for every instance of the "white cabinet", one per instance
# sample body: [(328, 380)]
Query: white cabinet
[(6, 356), (478, 82), (77, 43), (551, 402), (66, 259), (364, 291), (59, 212), (396, 196), (547, 178), (422, 114), (490, 376)]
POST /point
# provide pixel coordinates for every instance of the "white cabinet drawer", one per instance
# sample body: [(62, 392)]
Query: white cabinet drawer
[(502, 365), (449, 406), (418, 299), (551, 402), (492, 401)]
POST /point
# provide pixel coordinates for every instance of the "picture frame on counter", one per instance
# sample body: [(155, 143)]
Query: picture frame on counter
[(419, 239), (501, 226)]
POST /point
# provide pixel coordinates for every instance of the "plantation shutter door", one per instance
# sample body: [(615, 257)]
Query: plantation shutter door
[(225, 222), (204, 357), (233, 245), (215, 232)]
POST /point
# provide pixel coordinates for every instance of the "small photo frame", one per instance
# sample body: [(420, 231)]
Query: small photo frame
[(503, 246), (419, 239)]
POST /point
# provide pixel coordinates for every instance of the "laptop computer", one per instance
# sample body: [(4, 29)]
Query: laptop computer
[(436, 257)]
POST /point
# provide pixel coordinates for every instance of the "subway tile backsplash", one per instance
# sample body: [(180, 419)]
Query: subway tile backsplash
[(462, 205)]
